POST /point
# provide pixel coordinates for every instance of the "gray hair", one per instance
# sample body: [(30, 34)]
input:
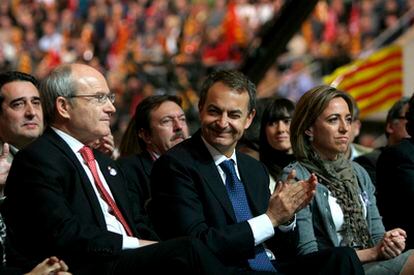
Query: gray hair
[(58, 83)]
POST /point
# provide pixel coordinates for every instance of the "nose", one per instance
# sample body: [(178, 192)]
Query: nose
[(30, 110), (344, 126), (222, 121), (178, 124), (109, 107), (281, 127)]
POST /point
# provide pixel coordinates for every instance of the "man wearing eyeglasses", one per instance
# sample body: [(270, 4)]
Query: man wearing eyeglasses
[(74, 203)]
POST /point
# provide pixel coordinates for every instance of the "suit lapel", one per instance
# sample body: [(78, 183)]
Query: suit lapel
[(84, 180), (205, 164), (147, 163)]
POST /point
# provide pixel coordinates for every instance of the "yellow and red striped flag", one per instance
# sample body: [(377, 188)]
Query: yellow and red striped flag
[(376, 82)]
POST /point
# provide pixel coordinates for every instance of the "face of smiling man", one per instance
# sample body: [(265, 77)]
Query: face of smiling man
[(224, 117), (21, 115)]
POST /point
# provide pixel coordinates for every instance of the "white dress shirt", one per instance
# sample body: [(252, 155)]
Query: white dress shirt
[(112, 223), (261, 225)]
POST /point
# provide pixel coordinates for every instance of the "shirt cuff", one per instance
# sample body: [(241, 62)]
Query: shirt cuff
[(129, 242), (288, 227), (262, 228)]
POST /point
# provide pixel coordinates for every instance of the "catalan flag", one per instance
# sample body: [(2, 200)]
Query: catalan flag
[(376, 82)]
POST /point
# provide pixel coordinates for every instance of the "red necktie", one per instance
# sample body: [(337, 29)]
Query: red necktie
[(88, 156)]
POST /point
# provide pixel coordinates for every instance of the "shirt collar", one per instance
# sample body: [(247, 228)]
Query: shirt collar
[(74, 144), (217, 156)]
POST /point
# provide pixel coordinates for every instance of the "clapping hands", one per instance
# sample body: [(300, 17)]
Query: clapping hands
[(289, 197)]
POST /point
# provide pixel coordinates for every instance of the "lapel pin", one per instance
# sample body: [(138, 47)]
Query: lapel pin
[(112, 171)]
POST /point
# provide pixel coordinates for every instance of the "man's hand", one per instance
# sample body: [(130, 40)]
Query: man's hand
[(289, 197), (106, 145), (4, 166), (146, 242)]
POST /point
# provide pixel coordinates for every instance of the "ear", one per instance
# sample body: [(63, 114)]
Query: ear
[(389, 128), (63, 107), (309, 132), (250, 118), (145, 136)]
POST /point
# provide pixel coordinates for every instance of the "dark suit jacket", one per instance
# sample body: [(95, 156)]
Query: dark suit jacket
[(369, 162), (189, 198), (395, 187), (52, 209), (137, 170)]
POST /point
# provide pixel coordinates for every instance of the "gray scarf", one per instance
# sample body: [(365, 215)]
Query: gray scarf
[(340, 179)]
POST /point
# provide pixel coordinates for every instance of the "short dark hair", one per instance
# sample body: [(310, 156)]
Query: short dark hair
[(396, 109), (234, 80), (11, 76), (395, 112)]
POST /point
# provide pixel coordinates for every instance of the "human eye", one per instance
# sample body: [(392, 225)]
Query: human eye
[(101, 98), (17, 105), (287, 121), (166, 121), (213, 111), (333, 119), (348, 120), (36, 102), (235, 115), (182, 118)]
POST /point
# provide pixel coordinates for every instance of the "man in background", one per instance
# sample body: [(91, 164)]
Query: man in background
[(159, 123), (21, 122), (395, 131)]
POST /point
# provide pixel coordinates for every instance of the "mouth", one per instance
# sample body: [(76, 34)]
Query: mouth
[(30, 125), (281, 138), (343, 139), (175, 138)]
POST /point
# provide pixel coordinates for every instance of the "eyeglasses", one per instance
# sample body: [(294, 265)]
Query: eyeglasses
[(101, 98)]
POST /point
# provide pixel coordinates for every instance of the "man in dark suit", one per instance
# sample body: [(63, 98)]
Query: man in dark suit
[(21, 122), (62, 200), (394, 131), (202, 187), (395, 181), (159, 123)]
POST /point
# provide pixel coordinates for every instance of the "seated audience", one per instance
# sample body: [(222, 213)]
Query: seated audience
[(76, 196), (343, 212), (204, 187)]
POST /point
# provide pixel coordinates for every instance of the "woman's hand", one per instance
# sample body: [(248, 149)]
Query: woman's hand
[(393, 243)]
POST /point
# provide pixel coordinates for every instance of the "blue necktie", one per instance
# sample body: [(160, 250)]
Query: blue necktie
[(237, 195)]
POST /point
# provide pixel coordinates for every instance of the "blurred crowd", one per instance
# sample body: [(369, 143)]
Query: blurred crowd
[(147, 47)]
